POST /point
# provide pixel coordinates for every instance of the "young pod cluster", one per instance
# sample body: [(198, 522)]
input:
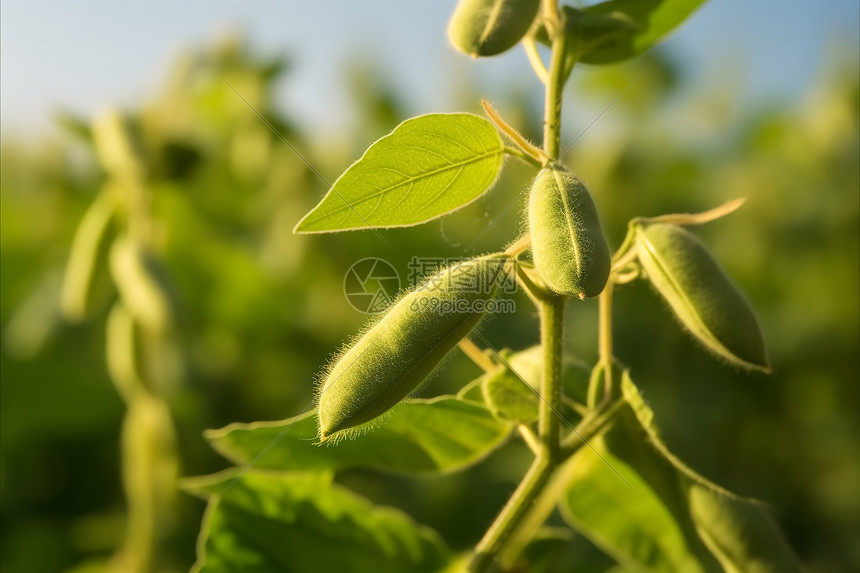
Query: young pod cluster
[(703, 298), (489, 27), (568, 245), (397, 353)]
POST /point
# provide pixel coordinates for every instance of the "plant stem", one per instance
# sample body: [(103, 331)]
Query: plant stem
[(534, 59), (552, 103), (519, 246), (522, 155), (513, 512), (549, 436), (605, 337), (552, 334), (551, 308)]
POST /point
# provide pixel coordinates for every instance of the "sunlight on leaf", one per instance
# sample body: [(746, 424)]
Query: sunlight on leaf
[(428, 166), (669, 518), (441, 434), (297, 522)]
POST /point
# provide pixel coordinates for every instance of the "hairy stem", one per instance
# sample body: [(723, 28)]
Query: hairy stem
[(549, 440), (605, 337), (552, 333), (552, 103), (513, 512)]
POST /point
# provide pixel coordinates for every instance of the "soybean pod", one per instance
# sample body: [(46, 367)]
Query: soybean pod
[(400, 351), (568, 246)]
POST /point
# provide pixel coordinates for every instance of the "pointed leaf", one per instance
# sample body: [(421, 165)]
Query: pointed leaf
[(669, 518), (739, 533), (428, 166), (442, 434), (616, 30), (643, 523), (295, 522), (647, 22), (133, 270)]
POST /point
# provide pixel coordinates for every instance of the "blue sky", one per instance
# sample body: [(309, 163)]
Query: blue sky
[(84, 55)]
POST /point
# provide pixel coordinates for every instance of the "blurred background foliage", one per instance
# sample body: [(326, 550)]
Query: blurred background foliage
[(259, 311)]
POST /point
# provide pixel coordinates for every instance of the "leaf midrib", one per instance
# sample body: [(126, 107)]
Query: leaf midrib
[(410, 180)]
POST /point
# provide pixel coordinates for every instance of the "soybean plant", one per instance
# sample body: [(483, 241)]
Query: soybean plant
[(599, 461), (116, 232)]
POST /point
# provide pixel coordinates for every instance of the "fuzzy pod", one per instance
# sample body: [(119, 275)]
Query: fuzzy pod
[(702, 297), (400, 351), (89, 247), (134, 271), (568, 246), (489, 27)]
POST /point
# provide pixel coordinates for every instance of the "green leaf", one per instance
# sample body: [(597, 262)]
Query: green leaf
[(510, 391), (441, 434), (559, 550), (428, 166), (297, 522), (616, 30), (647, 22), (737, 530), (643, 523), (668, 518), (739, 533)]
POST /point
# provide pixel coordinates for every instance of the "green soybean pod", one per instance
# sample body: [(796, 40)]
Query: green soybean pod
[(132, 269), (489, 27), (511, 391), (88, 249), (702, 297), (117, 148), (568, 246), (400, 351), (123, 353)]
